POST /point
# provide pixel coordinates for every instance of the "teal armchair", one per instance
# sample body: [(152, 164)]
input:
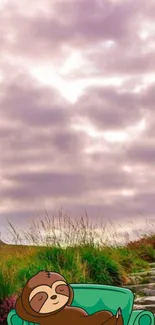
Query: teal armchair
[(93, 298)]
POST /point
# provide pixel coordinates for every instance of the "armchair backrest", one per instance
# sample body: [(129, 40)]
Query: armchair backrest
[(93, 298)]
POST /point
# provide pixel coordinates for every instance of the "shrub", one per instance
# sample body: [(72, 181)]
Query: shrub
[(101, 268), (6, 305), (65, 261)]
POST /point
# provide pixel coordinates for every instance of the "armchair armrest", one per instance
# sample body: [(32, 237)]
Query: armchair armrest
[(14, 319), (141, 317)]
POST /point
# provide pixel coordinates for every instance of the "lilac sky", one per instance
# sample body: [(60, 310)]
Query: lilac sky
[(77, 100)]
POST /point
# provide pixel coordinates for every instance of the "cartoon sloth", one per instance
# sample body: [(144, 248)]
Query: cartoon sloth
[(46, 300)]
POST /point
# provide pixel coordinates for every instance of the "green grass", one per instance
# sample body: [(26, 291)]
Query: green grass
[(81, 260)]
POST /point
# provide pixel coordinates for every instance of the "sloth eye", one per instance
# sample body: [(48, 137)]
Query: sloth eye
[(40, 298)]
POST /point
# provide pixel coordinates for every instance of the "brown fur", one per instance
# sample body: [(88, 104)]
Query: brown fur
[(29, 311)]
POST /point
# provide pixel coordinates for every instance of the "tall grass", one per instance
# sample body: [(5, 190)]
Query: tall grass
[(81, 250), (60, 230)]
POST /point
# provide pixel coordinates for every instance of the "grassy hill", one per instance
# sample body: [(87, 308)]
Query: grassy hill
[(81, 262)]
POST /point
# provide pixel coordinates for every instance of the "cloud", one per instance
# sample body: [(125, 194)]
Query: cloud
[(106, 108), (127, 60), (52, 184), (143, 152), (30, 105), (69, 23), (94, 152), (46, 144)]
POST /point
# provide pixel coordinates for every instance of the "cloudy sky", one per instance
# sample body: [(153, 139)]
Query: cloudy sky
[(77, 96)]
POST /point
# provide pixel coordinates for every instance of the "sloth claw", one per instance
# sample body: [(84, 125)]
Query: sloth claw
[(119, 312)]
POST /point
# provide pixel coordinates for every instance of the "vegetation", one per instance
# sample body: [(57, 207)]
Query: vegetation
[(5, 306), (78, 250)]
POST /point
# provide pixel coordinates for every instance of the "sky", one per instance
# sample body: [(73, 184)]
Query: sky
[(77, 121)]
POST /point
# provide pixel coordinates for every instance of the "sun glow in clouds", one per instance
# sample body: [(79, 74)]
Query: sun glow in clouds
[(48, 76), (74, 62), (2, 4), (71, 89), (127, 192), (143, 34), (127, 169)]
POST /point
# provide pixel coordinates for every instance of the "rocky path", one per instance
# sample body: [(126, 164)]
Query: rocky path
[(143, 286)]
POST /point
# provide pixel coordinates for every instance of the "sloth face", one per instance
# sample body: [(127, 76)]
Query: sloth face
[(46, 299)]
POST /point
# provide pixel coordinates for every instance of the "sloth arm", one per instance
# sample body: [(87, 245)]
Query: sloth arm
[(21, 312), (103, 318), (84, 318), (96, 318)]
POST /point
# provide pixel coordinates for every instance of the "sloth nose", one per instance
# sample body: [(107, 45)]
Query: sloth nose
[(53, 297)]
